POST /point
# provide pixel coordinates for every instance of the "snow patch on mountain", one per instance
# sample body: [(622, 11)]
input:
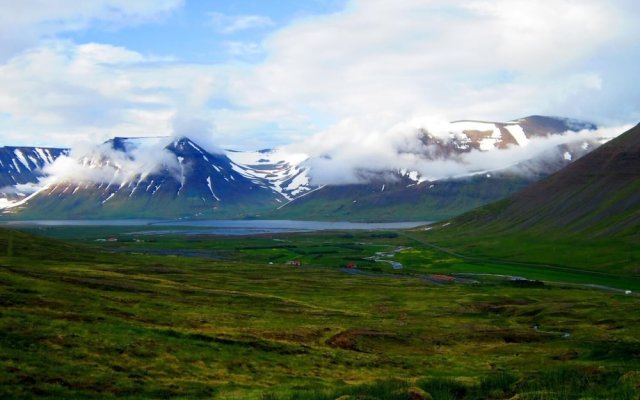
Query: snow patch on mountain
[(284, 171), (211, 188), (518, 134), (20, 156)]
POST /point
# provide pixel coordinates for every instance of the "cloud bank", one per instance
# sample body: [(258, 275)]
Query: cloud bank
[(353, 153), (460, 59)]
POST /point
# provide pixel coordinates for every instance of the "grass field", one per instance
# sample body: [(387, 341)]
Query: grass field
[(222, 317)]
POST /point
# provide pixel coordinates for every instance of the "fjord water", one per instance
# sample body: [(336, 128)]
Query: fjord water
[(226, 227)]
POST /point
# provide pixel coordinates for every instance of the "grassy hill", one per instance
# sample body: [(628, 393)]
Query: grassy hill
[(16, 245), (586, 216)]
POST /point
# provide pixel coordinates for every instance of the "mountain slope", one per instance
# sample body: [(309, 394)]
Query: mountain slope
[(23, 164), (598, 195), (20, 170), (401, 200)]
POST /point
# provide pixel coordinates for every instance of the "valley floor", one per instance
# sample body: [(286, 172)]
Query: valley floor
[(234, 320)]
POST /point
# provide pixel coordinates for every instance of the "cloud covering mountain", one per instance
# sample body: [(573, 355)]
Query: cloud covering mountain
[(354, 153)]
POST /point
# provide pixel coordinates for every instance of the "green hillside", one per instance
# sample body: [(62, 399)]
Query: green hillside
[(586, 216)]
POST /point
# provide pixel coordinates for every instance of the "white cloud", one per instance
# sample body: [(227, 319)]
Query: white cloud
[(444, 57), (228, 24), (200, 130), (60, 92)]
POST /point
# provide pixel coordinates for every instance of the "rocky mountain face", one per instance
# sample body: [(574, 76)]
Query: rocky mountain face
[(285, 173), (482, 135)]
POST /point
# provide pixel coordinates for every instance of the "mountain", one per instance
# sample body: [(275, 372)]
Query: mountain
[(410, 196), (137, 178), (596, 196), (176, 178)]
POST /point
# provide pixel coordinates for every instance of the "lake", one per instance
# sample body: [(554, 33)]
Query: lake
[(225, 227)]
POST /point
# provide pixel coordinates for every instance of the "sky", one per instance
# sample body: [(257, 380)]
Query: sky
[(250, 74)]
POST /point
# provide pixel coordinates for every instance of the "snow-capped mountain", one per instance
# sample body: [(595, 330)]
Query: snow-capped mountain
[(148, 177), (597, 196), (115, 171), (21, 165)]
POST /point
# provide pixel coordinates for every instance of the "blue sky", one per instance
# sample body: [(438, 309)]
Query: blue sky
[(195, 32), (261, 73)]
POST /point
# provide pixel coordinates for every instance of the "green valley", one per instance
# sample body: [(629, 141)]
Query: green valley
[(226, 317)]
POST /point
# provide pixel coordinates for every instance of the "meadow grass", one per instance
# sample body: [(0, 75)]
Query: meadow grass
[(111, 321)]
